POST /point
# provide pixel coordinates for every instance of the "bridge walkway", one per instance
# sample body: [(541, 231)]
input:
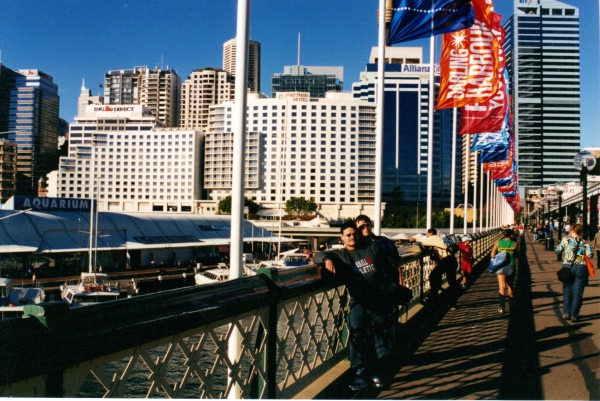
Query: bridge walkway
[(474, 352)]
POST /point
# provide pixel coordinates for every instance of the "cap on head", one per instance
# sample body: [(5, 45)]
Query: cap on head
[(465, 238)]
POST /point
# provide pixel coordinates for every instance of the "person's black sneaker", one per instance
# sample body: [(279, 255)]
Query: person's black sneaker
[(358, 384), (566, 317), (574, 319)]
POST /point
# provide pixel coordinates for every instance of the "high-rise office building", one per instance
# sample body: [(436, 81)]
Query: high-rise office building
[(138, 164), (203, 88), (315, 80), (157, 89), (33, 125), (8, 170), (319, 149), (229, 56), (405, 136), (542, 48), (8, 79), (86, 98)]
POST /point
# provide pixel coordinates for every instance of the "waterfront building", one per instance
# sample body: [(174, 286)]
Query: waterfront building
[(33, 125), (203, 88), (405, 136), (315, 80), (8, 170), (157, 89), (542, 48), (229, 57), (320, 149), (86, 99), (137, 163)]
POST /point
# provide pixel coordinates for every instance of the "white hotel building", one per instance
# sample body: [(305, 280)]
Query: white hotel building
[(319, 149), (138, 164)]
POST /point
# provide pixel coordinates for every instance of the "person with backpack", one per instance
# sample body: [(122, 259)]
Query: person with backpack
[(506, 274), (446, 264), (573, 248)]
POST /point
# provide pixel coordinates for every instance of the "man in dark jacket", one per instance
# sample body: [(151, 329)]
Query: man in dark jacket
[(360, 266)]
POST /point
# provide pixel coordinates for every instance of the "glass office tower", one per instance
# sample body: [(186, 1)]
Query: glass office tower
[(405, 137), (542, 46), (33, 126)]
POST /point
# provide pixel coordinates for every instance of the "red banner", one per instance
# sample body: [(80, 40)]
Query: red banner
[(470, 64)]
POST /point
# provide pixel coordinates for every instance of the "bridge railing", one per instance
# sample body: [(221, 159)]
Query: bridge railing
[(289, 327)]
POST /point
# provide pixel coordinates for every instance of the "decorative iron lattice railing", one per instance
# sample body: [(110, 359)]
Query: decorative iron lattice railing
[(290, 326)]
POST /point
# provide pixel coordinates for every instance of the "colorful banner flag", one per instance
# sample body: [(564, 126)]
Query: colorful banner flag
[(493, 153), (488, 116), (488, 139), (470, 65), (415, 19)]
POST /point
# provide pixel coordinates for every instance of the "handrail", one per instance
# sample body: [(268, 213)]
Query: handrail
[(292, 325)]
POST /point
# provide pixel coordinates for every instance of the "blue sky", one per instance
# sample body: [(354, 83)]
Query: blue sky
[(75, 39)]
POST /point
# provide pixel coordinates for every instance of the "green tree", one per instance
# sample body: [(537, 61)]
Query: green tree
[(300, 207), (224, 206)]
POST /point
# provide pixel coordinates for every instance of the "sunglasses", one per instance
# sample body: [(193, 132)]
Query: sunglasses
[(351, 235)]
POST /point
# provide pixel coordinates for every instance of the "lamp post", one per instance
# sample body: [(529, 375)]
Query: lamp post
[(559, 188), (584, 162)]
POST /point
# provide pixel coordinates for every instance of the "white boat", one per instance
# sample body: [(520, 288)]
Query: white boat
[(13, 300), (221, 273), (292, 258), (91, 288)]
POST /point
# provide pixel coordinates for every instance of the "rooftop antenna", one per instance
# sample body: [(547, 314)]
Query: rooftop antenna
[(298, 49), (82, 83)]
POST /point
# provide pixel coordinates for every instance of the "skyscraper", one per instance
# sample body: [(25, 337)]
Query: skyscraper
[(157, 89), (85, 99), (229, 56), (203, 88), (405, 136), (315, 80), (33, 125), (542, 46)]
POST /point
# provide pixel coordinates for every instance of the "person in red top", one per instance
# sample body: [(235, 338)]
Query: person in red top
[(466, 260)]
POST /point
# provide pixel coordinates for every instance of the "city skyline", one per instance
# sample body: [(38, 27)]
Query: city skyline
[(187, 35)]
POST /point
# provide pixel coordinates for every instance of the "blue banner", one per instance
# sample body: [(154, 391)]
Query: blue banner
[(493, 154), (415, 19)]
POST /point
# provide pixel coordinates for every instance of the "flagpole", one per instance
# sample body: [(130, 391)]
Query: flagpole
[(453, 171), (430, 134), (482, 181), (487, 203), (237, 184), (466, 181), (475, 194), (379, 127)]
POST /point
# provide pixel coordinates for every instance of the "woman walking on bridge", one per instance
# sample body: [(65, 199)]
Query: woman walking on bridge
[(506, 274), (573, 248)]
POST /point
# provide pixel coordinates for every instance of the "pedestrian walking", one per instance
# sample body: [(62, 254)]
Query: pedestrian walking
[(573, 249), (466, 261), (506, 274), (445, 264), (359, 265), (596, 246)]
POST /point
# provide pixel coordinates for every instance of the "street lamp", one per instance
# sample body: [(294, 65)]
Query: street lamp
[(559, 188), (584, 162)]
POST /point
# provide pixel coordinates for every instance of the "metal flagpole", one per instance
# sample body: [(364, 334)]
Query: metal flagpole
[(237, 185), (475, 194), (453, 171), (239, 142), (379, 128), (466, 181), (482, 181), (430, 133), (487, 203)]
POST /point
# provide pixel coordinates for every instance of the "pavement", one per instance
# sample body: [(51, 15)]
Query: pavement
[(474, 352)]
